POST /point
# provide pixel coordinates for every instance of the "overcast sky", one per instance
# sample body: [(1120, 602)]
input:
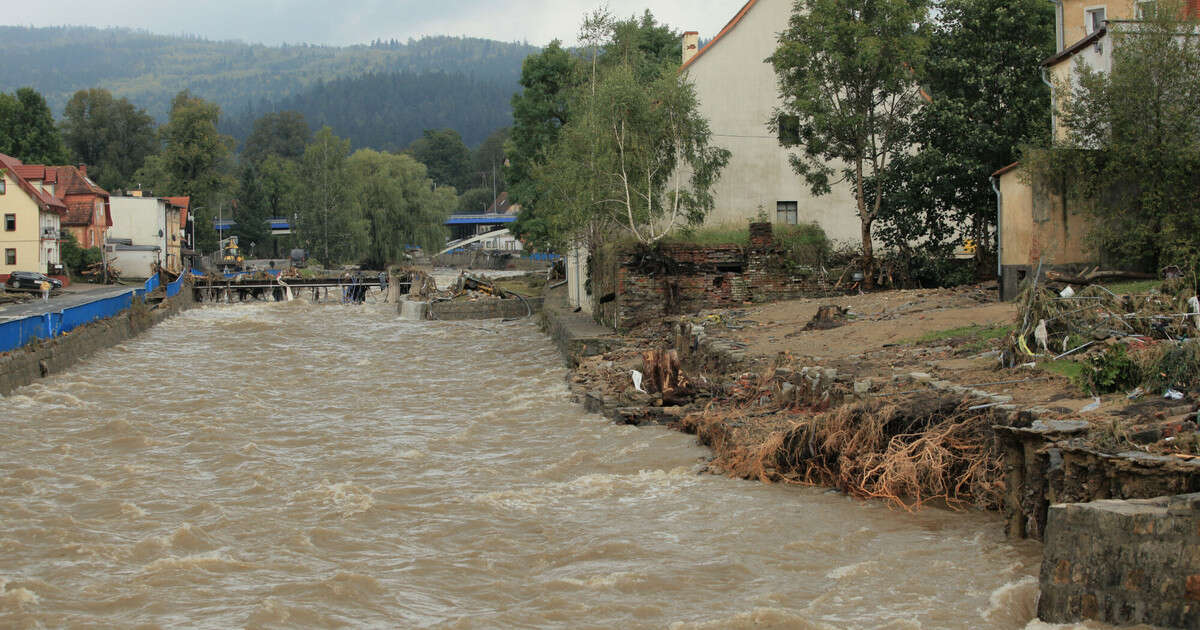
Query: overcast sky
[(361, 21)]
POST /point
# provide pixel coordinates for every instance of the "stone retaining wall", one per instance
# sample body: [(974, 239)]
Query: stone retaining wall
[(1123, 562), (49, 356)]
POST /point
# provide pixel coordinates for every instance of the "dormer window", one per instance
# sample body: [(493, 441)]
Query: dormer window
[(1094, 19)]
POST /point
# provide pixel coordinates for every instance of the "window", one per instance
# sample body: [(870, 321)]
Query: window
[(2, 181), (785, 212), (789, 130), (1146, 9), (10, 223), (10, 256), (1093, 19)]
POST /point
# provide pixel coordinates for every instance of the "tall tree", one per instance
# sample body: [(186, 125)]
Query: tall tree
[(195, 161), (444, 154), (848, 71), (27, 130), (399, 205), (985, 104), (268, 190), (111, 136), (284, 134), (329, 223), (1133, 145), (540, 109)]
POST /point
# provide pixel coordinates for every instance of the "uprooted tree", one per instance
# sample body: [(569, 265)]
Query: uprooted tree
[(847, 72)]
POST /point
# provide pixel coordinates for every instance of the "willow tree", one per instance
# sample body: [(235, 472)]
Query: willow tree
[(847, 72), (399, 204)]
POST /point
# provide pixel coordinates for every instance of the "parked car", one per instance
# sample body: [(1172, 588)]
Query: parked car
[(30, 280)]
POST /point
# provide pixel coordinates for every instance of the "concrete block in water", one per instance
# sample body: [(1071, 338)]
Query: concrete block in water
[(1123, 562), (412, 309)]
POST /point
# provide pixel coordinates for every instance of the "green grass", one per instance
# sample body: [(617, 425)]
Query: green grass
[(973, 333), (716, 235), (1133, 287), (1065, 367)]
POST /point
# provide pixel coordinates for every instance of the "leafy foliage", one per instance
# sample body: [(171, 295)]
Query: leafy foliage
[(1133, 145), (393, 195), (111, 136), (328, 223), (617, 139), (282, 134), (27, 130), (986, 101), (74, 257), (848, 70), (444, 154)]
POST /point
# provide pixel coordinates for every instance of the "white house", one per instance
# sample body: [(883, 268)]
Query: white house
[(738, 94), (140, 235)]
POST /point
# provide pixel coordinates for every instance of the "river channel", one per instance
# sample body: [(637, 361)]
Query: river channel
[(300, 465)]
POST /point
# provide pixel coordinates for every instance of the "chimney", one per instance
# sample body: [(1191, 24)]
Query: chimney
[(691, 45), (82, 169)]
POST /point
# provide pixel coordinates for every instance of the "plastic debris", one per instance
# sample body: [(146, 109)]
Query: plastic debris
[(1194, 307), (1067, 292), (1041, 335), (1092, 406), (1138, 392), (1173, 394), (637, 380)]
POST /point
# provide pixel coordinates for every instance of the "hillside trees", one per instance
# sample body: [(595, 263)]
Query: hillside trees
[(282, 134), (1133, 146), (111, 136), (27, 130), (848, 72)]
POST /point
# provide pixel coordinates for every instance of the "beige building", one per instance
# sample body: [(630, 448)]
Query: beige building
[(1036, 228), (30, 217), (738, 94)]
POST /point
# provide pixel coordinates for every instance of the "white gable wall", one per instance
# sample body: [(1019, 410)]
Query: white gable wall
[(738, 93)]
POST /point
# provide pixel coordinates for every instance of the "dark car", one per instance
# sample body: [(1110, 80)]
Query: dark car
[(31, 280)]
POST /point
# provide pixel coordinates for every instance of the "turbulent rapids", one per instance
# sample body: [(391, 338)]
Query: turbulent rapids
[(301, 465)]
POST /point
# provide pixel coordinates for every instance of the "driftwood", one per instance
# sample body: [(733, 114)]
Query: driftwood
[(1096, 275)]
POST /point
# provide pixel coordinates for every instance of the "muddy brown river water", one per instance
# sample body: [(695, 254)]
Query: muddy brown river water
[(299, 465)]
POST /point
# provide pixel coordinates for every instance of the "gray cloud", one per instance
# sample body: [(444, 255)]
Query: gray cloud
[(361, 21)]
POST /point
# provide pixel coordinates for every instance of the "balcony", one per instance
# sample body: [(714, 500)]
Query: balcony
[(49, 234)]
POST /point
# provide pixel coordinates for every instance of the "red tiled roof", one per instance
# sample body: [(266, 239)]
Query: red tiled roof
[(79, 213), (72, 182), (1006, 169), (44, 200), (31, 171), (183, 203), (728, 27)]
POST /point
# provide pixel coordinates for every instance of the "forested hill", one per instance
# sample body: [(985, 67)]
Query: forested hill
[(389, 111), (150, 69)]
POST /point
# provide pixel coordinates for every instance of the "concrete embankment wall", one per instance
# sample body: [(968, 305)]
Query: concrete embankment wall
[(1123, 562), (42, 358), (480, 309)]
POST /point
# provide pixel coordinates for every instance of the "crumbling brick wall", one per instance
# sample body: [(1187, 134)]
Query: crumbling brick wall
[(634, 284)]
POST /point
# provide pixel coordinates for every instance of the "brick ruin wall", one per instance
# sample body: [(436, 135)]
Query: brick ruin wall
[(635, 285)]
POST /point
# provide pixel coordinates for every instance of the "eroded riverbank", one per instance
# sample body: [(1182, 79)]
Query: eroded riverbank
[(316, 465)]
